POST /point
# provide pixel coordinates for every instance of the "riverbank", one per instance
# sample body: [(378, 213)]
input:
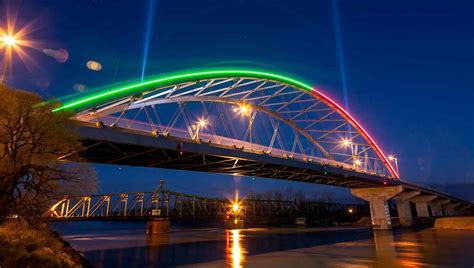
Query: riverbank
[(455, 223), (24, 246)]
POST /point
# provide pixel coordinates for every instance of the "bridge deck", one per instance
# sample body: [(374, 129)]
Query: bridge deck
[(136, 148)]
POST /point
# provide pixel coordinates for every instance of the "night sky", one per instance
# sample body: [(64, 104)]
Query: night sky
[(407, 68)]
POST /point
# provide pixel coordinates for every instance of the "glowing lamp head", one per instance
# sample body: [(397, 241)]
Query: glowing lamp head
[(358, 162), (345, 142), (9, 40), (350, 210), (235, 207), (202, 123), (243, 109), (391, 157)]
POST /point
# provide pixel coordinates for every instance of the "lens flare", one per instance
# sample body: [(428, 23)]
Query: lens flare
[(79, 87), (9, 40), (94, 65), (61, 55), (14, 40)]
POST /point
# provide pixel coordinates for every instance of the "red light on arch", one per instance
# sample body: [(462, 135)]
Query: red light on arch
[(359, 127)]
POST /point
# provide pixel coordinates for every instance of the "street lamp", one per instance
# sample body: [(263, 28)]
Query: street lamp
[(345, 142), (202, 123), (235, 207), (392, 158), (245, 110)]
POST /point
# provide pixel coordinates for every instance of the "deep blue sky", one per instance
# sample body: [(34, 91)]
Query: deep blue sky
[(409, 67)]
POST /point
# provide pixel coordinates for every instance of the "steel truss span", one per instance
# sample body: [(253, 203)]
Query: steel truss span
[(258, 112), (143, 205)]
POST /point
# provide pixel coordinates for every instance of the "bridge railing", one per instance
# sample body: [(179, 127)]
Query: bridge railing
[(221, 140)]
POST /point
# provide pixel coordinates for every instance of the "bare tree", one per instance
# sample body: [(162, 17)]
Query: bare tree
[(267, 195), (31, 139), (300, 197), (278, 196), (326, 196)]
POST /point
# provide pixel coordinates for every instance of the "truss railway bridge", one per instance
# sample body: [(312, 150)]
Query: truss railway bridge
[(247, 123), (179, 206)]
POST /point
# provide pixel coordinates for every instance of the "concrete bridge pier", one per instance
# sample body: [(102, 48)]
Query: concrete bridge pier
[(402, 201), (378, 201), (436, 207), (421, 204), (464, 210), (450, 209), (158, 226)]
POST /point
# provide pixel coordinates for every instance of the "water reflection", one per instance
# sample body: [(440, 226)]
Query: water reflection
[(235, 252), (416, 249), (153, 241), (128, 246), (385, 248)]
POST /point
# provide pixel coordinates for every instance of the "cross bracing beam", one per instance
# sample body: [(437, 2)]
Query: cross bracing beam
[(234, 102)]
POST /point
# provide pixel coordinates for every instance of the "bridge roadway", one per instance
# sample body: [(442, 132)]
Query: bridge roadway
[(137, 148)]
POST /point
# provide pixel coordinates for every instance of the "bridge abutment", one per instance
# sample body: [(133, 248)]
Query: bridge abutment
[(378, 201), (402, 201)]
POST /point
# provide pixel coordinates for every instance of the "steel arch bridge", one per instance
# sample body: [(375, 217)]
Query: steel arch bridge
[(255, 112), (246, 123)]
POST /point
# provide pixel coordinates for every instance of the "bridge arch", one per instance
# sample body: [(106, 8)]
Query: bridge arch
[(306, 109)]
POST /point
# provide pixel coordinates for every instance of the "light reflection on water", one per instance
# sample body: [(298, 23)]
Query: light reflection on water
[(235, 252)]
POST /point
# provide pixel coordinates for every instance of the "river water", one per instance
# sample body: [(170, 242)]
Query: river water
[(125, 244)]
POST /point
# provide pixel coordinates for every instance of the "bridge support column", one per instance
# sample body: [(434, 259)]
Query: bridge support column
[(403, 207), (450, 209), (158, 226), (464, 210), (437, 207), (422, 210), (436, 211), (421, 204), (378, 200)]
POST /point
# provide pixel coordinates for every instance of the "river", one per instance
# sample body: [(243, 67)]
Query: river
[(125, 244)]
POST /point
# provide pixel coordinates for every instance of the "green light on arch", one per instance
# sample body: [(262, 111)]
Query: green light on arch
[(169, 80)]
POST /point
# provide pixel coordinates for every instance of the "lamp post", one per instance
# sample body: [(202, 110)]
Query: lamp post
[(202, 123), (395, 160), (246, 110)]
